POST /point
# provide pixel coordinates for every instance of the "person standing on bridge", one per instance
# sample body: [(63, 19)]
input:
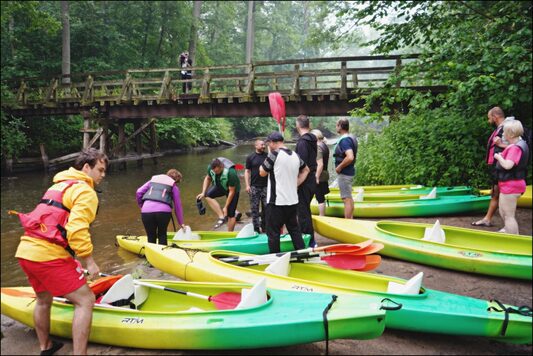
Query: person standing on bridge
[(156, 199), (186, 62), (54, 232), (345, 153), (224, 181)]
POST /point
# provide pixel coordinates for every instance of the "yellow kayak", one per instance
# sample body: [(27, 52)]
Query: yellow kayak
[(524, 201)]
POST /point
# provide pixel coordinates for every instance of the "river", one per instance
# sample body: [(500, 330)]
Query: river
[(118, 212)]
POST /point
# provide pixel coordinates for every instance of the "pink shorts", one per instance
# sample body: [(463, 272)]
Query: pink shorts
[(59, 277)]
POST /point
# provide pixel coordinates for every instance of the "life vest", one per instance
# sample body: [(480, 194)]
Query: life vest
[(338, 153), (225, 173), (47, 221), (325, 155), (160, 189), (519, 171)]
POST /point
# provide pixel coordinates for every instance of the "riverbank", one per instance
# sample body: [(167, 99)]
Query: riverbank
[(18, 339)]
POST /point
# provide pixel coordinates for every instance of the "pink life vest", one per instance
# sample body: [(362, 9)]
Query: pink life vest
[(47, 221)]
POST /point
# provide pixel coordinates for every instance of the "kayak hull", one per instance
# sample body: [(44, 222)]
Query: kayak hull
[(165, 320), (402, 192), (467, 250), (525, 200), (429, 311), (447, 205), (213, 240)]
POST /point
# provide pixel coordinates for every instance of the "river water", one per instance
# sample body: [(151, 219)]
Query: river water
[(118, 212)]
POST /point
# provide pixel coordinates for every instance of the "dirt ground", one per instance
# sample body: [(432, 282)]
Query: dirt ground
[(18, 339)]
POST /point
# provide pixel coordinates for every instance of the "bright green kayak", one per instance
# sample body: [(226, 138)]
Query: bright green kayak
[(173, 321), (468, 250), (403, 193), (213, 240), (423, 310), (445, 205)]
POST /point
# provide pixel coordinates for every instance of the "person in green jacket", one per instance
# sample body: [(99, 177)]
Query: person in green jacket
[(222, 180)]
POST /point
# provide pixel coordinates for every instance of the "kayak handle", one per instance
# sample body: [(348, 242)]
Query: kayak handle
[(398, 306)]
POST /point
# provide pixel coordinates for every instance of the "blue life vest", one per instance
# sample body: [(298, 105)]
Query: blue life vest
[(160, 189)]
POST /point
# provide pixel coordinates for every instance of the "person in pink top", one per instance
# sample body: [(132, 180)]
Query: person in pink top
[(156, 199), (511, 171)]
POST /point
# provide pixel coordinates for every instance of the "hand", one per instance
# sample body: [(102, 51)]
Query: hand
[(248, 189), (200, 196), (337, 170), (497, 156), (225, 211), (93, 270), (497, 140), (317, 180)]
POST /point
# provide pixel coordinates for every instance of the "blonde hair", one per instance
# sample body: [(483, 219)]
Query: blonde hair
[(513, 129), (175, 174), (318, 134)]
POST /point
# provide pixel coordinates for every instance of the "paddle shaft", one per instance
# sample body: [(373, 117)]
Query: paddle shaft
[(155, 286)]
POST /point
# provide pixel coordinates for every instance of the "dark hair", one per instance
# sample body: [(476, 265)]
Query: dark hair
[(303, 121), (497, 111), (90, 156), (175, 174), (344, 124), (216, 163)]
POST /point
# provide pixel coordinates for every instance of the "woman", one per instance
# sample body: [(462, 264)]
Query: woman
[(156, 198), (322, 174), (511, 171)]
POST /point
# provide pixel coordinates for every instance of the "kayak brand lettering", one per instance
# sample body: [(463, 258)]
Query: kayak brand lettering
[(132, 320), (302, 288), (470, 254)]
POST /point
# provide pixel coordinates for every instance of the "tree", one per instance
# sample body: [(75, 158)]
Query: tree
[(65, 49), (250, 32), (194, 29)]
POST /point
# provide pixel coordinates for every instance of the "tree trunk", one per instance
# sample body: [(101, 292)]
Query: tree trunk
[(194, 30), (250, 32), (65, 53)]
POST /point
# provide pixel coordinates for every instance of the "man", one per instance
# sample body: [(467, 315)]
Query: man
[(224, 181), (55, 229), (186, 62), (285, 171), (306, 148), (345, 154), (495, 144), (322, 174), (256, 185)]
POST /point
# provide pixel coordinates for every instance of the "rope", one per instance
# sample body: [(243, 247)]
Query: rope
[(397, 307), (325, 319), (523, 310)]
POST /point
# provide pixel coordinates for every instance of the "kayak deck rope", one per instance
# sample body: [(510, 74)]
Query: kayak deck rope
[(398, 306), (325, 319), (523, 310)]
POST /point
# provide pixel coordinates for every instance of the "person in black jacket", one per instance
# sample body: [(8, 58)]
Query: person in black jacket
[(306, 148), (186, 62)]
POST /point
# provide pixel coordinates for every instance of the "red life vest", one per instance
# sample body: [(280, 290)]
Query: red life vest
[(47, 221)]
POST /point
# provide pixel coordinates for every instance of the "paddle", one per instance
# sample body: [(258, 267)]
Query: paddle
[(222, 301), (343, 261), (277, 109), (372, 262)]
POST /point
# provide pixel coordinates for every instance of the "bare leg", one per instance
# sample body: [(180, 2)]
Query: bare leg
[(83, 300), (231, 223), (507, 211), (348, 208), (322, 209), (41, 318), (215, 206)]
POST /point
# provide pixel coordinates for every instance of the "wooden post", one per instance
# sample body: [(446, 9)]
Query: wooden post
[(44, 156), (344, 85), (9, 165), (295, 90), (153, 141), (354, 79), (121, 139), (138, 144), (397, 70), (86, 126), (103, 137)]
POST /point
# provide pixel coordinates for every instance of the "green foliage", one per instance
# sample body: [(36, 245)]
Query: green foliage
[(436, 148), (61, 135), (251, 127), (185, 132), (14, 140)]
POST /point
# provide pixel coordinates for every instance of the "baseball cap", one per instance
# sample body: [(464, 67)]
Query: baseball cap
[(275, 137)]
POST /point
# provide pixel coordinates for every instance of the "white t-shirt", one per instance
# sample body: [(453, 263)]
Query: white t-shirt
[(283, 167)]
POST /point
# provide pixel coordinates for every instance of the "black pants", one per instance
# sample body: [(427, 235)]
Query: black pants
[(156, 225), (305, 194), (276, 217), (186, 86)]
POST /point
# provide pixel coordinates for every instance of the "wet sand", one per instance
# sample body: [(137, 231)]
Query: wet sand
[(17, 339)]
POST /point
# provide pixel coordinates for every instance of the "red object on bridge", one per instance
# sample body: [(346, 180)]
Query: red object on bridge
[(277, 108)]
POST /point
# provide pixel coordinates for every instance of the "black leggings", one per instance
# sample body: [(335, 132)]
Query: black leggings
[(156, 225)]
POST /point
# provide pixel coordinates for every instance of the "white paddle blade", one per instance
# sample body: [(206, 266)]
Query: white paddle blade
[(435, 233), (246, 231), (122, 289), (255, 296), (281, 266)]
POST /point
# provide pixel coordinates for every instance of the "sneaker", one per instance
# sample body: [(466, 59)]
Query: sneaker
[(238, 216)]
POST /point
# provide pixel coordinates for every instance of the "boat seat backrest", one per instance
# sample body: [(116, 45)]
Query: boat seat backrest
[(281, 266), (431, 195), (185, 234), (359, 197), (412, 286), (246, 231), (435, 233), (253, 297), (123, 289)]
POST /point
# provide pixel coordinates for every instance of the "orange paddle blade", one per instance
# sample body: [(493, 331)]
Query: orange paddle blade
[(372, 262)]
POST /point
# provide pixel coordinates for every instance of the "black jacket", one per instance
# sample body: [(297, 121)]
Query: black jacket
[(306, 148)]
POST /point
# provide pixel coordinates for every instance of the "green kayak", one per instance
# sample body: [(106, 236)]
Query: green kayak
[(404, 207), (169, 320), (405, 193), (423, 310), (468, 250), (213, 240)]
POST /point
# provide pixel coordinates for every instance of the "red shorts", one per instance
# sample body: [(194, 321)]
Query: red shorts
[(59, 277)]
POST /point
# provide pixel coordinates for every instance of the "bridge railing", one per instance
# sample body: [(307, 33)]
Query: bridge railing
[(295, 79)]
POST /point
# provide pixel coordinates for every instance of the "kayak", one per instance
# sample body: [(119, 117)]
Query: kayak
[(174, 321), (445, 205), (214, 240), (405, 193), (377, 188), (423, 310), (468, 250), (525, 200)]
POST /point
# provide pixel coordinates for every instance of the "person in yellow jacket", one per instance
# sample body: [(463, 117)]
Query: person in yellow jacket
[(46, 249)]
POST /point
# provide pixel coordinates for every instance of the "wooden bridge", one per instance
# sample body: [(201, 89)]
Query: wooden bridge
[(110, 100)]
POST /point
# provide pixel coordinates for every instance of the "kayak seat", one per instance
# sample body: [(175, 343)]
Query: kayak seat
[(125, 293), (280, 266), (253, 297), (431, 195), (246, 231), (412, 286), (435, 233), (185, 234)]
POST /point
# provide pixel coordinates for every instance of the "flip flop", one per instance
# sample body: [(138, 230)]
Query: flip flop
[(482, 223), (238, 217), (56, 345), (219, 223)]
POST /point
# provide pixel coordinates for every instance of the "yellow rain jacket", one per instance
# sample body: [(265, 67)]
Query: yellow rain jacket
[(82, 214)]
